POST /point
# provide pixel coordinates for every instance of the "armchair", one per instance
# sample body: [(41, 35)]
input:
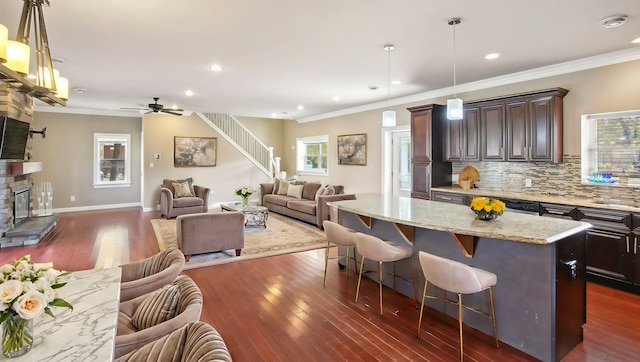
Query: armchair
[(188, 310), (180, 202), (210, 232), (146, 275)]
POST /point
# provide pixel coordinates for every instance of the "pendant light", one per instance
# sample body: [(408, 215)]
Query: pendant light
[(454, 105), (389, 116)]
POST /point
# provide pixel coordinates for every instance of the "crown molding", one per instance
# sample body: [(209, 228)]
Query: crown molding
[(597, 61)]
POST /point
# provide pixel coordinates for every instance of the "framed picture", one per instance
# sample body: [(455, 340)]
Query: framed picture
[(352, 149), (195, 151)]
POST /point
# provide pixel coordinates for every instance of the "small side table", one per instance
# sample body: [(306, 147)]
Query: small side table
[(253, 215)]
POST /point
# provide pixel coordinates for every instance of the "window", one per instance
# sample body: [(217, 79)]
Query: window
[(611, 145), (312, 155), (111, 160)]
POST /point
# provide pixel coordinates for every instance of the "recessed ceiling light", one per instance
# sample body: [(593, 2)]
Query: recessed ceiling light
[(373, 87), (274, 115), (216, 67), (58, 60), (396, 82), (188, 93), (336, 98), (300, 107), (636, 40), (492, 56), (613, 21), (80, 90)]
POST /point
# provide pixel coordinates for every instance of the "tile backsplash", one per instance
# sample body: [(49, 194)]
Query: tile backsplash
[(558, 179)]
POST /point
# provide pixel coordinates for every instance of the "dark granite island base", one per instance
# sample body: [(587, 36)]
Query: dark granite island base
[(540, 297)]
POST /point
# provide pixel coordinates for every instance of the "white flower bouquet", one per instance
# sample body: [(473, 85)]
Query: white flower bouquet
[(26, 291)]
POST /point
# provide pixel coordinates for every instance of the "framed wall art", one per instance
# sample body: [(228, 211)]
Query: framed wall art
[(352, 149), (195, 151)]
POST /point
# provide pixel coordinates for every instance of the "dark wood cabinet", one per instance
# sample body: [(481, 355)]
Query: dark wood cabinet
[(462, 141), (609, 243), (492, 125), (518, 127), (534, 127), (427, 161)]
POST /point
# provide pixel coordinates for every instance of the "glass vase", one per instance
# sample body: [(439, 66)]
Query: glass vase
[(17, 336), (245, 201)]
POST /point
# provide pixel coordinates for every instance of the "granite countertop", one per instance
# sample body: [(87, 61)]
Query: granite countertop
[(460, 219), (554, 199)]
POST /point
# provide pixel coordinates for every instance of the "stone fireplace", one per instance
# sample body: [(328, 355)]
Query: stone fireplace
[(17, 226)]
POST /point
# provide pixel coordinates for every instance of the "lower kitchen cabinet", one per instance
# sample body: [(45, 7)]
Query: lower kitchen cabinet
[(450, 197)]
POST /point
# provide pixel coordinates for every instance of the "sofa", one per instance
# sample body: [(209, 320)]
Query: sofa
[(306, 201)]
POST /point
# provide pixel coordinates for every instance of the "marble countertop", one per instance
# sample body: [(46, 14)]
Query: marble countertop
[(460, 219), (88, 332), (554, 199)]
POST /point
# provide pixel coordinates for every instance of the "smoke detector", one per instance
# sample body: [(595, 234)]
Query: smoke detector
[(613, 21)]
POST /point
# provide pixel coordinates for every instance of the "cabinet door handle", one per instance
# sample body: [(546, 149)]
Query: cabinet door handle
[(627, 244), (446, 198)]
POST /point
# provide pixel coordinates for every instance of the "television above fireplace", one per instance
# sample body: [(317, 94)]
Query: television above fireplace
[(13, 141)]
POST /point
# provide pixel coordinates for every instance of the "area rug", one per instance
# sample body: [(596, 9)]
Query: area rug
[(281, 236)]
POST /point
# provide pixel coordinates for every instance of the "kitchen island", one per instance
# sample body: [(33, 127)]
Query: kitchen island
[(540, 297)]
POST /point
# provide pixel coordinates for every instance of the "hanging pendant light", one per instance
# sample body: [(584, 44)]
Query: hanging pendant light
[(454, 105), (389, 115), (15, 56)]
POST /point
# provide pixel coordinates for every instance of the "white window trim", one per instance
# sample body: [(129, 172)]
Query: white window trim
[(102, 137), (300, 170)]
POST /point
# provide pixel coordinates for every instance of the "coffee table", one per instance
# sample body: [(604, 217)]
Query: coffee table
[(253, 215)]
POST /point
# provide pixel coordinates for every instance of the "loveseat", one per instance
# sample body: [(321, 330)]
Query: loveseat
[(306, 201)]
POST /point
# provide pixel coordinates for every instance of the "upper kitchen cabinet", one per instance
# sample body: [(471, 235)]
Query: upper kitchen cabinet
[(534, 126), (518, 127), (463, 137), (492, 120)]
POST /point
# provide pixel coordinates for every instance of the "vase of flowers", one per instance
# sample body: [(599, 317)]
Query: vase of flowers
[(487, 209), (244, 192), (26, 291)]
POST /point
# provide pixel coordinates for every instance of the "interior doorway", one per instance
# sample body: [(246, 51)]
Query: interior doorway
[(397, 162)]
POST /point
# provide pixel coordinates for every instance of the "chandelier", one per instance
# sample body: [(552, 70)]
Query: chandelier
[(49, 86)]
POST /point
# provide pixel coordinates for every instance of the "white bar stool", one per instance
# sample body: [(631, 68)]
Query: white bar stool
[(458, 278), (341, 236), (376, 249)]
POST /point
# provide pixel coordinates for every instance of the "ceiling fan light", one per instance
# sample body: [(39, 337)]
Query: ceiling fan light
[(18, 57), (4, 38), (389, 118), (454, 109)]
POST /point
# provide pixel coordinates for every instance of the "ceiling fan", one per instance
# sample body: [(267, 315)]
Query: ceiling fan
[(156, 107)]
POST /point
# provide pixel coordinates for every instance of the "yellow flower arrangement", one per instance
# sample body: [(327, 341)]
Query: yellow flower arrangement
[(487, 208)]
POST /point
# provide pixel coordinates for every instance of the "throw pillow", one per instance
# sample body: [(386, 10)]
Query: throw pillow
[(181, 189), (276, 186), (157, 308), (319, 193), (295, 191), (283, 187), (329, 190), (310, 189)]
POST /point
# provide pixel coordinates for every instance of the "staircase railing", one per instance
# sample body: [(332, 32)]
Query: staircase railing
[(245, 141)]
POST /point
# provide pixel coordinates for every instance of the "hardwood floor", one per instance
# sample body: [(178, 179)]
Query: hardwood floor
[(276, 309)]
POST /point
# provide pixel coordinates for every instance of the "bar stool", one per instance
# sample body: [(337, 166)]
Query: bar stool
[(341, 236), (458, 278), (376, 249)]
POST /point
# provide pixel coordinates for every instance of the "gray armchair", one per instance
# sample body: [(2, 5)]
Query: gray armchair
[(129, 338), (210, 232), (146, 275), (173, 203)]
